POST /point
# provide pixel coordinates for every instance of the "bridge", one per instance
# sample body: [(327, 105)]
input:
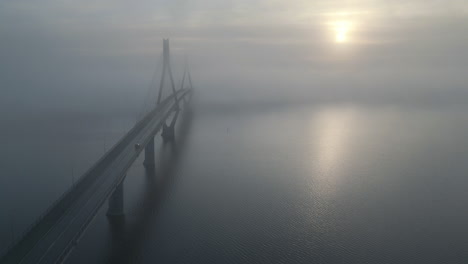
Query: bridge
[(55, 234)]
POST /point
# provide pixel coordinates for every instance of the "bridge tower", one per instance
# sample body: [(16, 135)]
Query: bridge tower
[(189, 79), (167, 131), (166, 69)]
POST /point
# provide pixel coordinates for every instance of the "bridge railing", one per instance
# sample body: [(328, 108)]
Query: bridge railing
[(68, 194)]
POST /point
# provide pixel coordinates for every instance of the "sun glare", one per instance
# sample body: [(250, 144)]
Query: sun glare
[(332, 128), (341, 29)]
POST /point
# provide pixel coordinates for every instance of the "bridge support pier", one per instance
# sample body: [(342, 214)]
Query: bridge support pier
[(116, 202), (168, 133), (149, 154)]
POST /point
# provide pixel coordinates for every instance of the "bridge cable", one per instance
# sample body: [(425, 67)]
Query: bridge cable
[(151, 88)]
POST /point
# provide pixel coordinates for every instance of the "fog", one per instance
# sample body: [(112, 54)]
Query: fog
[(322, 131), (88, 55)]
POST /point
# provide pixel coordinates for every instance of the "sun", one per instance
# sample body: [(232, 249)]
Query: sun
[(341, 30), (340, 36)]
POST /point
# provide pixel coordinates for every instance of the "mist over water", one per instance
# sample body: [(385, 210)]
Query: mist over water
[(321, 132), (101, 55)]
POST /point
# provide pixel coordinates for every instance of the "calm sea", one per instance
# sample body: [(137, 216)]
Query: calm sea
[(336, 183)]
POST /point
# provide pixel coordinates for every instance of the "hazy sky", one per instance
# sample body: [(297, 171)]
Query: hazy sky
[(80, 54)]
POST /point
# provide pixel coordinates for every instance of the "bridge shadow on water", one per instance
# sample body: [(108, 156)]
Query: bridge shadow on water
[(127, 237)]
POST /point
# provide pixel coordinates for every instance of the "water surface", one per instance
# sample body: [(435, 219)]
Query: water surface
[(337, 183)]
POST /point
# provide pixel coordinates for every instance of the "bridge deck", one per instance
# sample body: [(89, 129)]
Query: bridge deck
[(55, 234)]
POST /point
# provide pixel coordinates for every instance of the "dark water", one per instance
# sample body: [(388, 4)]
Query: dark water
[(324, 184)]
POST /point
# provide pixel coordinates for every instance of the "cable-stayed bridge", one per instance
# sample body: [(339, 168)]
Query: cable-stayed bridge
[(54, 235)]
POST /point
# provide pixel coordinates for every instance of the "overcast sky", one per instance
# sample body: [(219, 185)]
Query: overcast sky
[(80, 54)]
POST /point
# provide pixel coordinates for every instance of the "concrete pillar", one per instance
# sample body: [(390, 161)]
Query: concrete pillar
[(116, 202), (149, 154), (168, 133)]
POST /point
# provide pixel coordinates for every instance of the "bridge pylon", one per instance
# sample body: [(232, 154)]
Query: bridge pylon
[(167, 69), (186, 76)]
